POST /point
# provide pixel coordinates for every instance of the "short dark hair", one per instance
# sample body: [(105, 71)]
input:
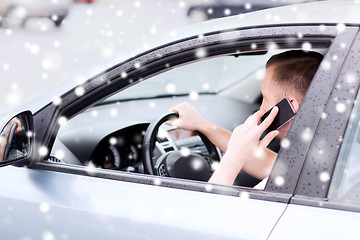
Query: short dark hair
[(295, 68)]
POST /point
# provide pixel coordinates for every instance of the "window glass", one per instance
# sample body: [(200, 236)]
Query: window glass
[(209, 76), (345, 185), (110, 135)]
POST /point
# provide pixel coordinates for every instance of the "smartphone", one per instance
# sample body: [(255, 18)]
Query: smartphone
[(286, 113)]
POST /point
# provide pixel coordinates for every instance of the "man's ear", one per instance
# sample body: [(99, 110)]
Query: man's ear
[(294, 103)]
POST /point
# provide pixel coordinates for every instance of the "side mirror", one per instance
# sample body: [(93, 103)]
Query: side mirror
[(16, 139)]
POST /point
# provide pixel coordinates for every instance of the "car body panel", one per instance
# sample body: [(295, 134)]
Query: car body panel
[(303, 222), (59, 201), (69, 201)]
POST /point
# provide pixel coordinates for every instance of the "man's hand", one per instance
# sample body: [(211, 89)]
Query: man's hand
[(244, 145), (189, 118), (12, 122)]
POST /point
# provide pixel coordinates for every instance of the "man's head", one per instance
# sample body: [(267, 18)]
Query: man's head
[(288, 75)]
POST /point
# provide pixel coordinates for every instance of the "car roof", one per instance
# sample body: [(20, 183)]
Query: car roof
[(326, 12), (322, 12)]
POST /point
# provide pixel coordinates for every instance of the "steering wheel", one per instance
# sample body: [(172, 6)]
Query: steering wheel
[(175, 163), (9, 140)]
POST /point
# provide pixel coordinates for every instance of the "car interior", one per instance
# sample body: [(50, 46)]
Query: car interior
[(112, 134)]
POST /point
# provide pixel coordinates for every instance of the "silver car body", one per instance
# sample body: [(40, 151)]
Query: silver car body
[(72, 202)]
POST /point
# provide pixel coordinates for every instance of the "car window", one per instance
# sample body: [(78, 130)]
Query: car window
[(345, 184), (110, 135), (210, 76)]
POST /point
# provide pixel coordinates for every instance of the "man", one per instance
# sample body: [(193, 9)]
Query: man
[(288, 75), (5, 135)]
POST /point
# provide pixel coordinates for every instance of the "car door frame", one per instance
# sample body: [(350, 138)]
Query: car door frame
[(122, 76), (310, 209), (312, 188)]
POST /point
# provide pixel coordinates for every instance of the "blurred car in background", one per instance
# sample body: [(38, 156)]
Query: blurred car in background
[(224, 8), (15, 13), (84, 1)]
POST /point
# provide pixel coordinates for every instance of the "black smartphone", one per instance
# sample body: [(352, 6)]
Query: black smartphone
[(286, 113)]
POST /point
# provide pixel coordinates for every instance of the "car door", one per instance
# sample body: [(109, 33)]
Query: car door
[(47, 200), (326, 200)]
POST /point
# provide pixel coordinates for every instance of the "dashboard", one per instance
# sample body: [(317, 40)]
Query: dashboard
[(122, 150)]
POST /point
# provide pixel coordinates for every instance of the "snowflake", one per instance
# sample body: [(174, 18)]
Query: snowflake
[(47, 64), (285, 143), (107, 52), (324, 177), (322, 27), (197, 164), (6, 67), (62, 121), (29, 133), (44, 207), (8, 32), (340, 27), (324, 115), (350, 78), (43, 151), (193, 95), (13, 98), (201, 53), (119, 13), (340, 107), (89, 12), (185, 151), (137, 65), (205, 86), (123, 74), (54, 17), (94, 113), (56, 100), (272, 46), (113, 112), (279, 181), (157, 181), (215, 165), (306, 135), (79, 91), (152, 104), (248, 6), (112, 141), (259, 75), (326, 65), (227, 12), (48, 236), (170, 88), (181, 4), (34, 49), (90, 168), (209, 187), (306, 46), (137, 4)]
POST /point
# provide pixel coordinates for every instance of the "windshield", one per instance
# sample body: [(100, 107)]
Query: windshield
[(208, 76)]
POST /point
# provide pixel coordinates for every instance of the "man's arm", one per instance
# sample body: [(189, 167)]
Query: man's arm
[(4, 138), (190, 119), (245, 147)]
